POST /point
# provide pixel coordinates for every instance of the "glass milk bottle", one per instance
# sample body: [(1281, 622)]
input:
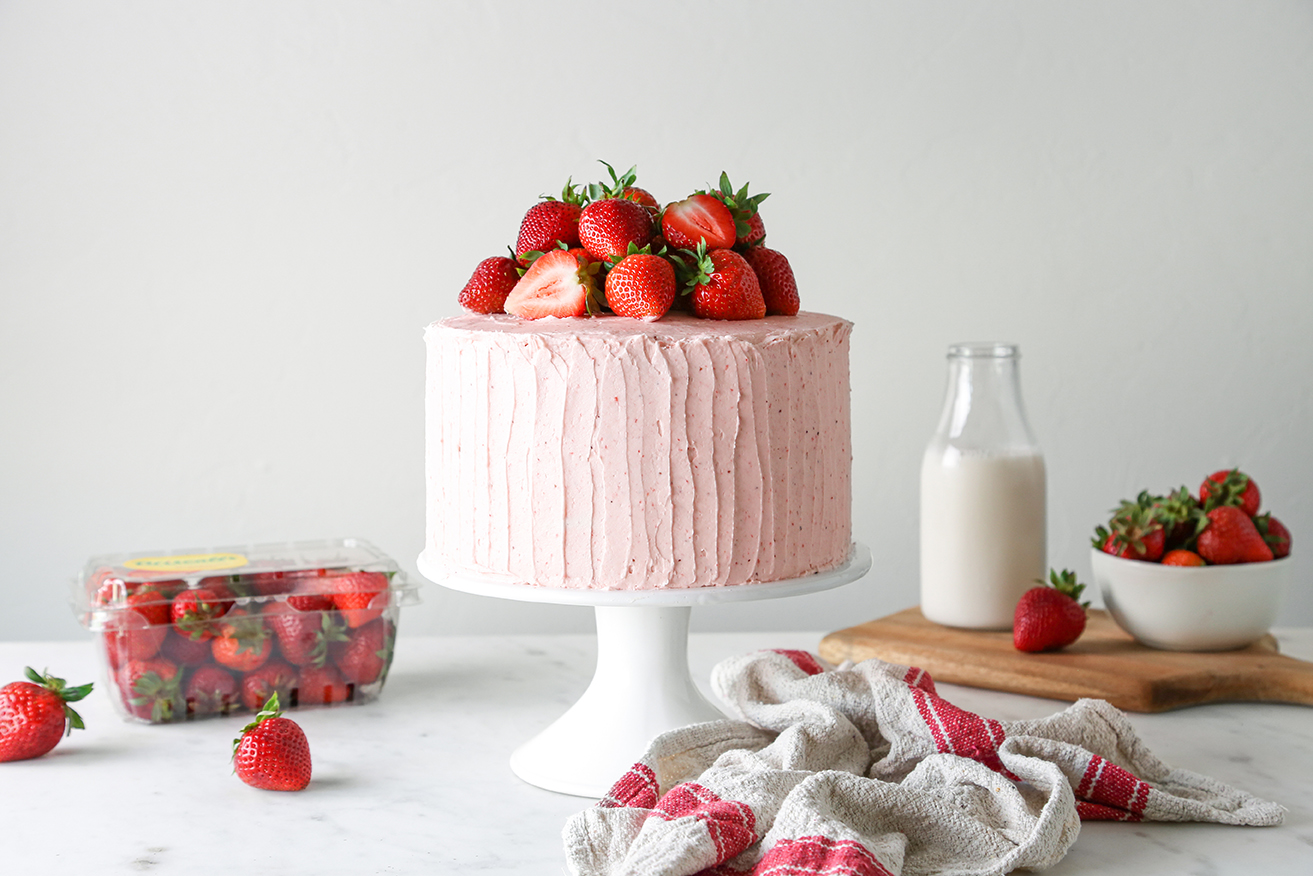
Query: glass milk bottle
[(983, 539)]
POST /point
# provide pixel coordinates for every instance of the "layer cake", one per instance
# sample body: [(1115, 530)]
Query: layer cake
[(621, 454)]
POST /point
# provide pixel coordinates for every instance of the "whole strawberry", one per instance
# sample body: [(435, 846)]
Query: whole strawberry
[(778, 287), (1276, 535), (360, 596), (492, 280), (242, 642), (607, 227), (136, 631), (321, 686), (1232, 537), (1048, 618), (34, 715), (362, 659), (754, 236), (272, 753), (1181, 517), (641, 286), (1182, 557), (641, 197), (722, 284), (150, 690), (184, 650), (273, 677), (309, 595), (1232, 487), (304, 636), (211, 690), (550, 222), (152, 600), (273, 583), (622, 186), (195, 613), (1136, 534)]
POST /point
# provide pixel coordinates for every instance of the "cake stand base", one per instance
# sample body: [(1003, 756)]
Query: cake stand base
[(641, 688), (642, 685)]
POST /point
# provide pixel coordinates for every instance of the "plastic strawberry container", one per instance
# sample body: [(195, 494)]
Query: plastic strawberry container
[(192, 634)]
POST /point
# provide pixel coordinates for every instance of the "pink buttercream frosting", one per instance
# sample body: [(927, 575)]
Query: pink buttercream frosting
[(617, 454)]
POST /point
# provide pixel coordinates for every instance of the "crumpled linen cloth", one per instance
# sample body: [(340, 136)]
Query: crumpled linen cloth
[(862, 770)]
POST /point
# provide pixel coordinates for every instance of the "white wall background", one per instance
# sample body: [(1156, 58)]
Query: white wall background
[(223, 226)]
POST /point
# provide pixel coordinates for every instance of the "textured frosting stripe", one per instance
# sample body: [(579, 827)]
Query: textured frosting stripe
[(616, 454), (681, 471)]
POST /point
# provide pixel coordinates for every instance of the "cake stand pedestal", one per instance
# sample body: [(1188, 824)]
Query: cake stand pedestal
[(642, 685)]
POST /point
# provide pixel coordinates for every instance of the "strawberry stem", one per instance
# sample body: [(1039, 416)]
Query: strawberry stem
[(1065, 582), (268, 710), (58, 687)]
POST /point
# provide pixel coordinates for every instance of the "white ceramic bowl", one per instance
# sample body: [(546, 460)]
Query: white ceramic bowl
[(1185, 608)]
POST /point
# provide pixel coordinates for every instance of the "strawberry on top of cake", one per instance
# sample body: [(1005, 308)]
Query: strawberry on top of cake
[(610, 248)]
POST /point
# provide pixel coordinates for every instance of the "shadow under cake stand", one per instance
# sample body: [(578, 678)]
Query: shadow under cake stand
[(642, 685)]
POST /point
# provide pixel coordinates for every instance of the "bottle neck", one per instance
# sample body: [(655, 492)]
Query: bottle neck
[(983, 409)]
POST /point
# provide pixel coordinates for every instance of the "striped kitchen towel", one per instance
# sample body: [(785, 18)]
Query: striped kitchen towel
[(863, 770)]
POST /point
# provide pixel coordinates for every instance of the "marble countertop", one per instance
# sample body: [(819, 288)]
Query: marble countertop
[(418, 781)]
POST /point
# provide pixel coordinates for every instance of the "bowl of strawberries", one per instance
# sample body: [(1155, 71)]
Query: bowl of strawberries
[(1194, 572)]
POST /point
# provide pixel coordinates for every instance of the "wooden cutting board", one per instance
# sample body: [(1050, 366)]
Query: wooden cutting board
[(1105, 663)]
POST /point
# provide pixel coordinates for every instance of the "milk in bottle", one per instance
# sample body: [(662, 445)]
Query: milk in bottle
[(983, 533)]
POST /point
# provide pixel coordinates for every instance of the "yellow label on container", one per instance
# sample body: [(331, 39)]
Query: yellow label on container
[(187, 563)]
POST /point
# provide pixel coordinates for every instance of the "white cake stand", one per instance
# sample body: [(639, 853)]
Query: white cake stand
[(642, 685)]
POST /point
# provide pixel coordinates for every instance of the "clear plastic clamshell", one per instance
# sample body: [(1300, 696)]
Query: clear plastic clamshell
[(195, 633)]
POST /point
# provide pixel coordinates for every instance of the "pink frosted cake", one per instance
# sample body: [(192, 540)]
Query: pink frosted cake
[(623, 454)]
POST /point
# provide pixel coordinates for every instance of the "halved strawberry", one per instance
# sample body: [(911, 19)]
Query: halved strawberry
[(722, 284), (641, 286), (778, 287), (557, 284), (608, 227), (551, 221), (697, 218)]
